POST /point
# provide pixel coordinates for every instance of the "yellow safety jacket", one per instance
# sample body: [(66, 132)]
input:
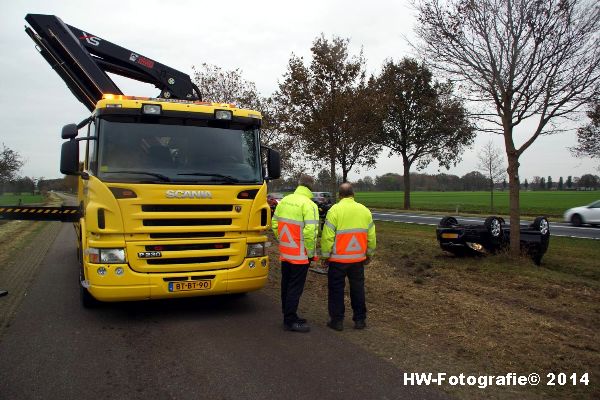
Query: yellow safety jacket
[(296, 224), (349, 232)]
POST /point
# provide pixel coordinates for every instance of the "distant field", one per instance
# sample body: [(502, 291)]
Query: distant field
[(13, 199), (532, 203)]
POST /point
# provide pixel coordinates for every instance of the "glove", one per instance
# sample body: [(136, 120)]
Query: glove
[(367, 261), (325, 263)]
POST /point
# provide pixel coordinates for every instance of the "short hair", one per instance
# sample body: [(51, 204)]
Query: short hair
[(346, 190), (306, 180)]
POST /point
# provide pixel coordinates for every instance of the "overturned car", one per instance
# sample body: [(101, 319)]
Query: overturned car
[(492, 236)]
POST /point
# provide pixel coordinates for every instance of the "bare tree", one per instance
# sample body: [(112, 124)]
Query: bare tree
[(10, 163), (588, 137), (526, 60), (225, 86), (421, 120), (324, 107), (229, 86), (491, 164)]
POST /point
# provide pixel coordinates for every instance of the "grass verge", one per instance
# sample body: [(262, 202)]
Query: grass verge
[(549, 203), (23, 199), (432, 312)]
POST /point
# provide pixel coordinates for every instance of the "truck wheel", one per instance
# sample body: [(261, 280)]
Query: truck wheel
[(448, 222), (576, 220), (494, 227), (86, 299), (542, 225)]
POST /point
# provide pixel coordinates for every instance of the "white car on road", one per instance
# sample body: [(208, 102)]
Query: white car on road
[(589, 214)]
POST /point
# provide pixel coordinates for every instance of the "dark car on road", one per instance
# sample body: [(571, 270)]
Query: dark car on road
[(492, 236), (273, 199), (324, 201)]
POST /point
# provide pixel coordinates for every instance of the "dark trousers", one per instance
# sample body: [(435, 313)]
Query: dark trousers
[(293, 277), (336, 283)]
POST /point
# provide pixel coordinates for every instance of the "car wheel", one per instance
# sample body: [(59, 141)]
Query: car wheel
[(494, 227), (448, 222), (576, 220), (542, 225)]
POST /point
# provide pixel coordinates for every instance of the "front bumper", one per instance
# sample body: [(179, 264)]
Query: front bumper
[(133, 285)]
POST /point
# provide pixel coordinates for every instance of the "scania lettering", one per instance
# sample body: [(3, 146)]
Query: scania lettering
[(189, 194), (172, 190)]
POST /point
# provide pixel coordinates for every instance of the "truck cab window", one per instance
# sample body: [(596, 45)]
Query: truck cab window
[(133, 151)]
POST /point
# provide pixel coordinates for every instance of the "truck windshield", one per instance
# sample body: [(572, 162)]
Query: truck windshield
[(176, 150)]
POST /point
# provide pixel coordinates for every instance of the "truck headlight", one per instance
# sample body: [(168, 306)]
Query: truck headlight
[(106, 256), (151, 109), (255, 250), (223, 114)]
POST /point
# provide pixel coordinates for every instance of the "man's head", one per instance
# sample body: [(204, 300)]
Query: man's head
[(346, 190), (306, 180)]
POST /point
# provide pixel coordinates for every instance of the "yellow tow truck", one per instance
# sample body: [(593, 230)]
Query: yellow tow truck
[(172, 190)]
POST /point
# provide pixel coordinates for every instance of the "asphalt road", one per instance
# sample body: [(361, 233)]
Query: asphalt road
[(556, 228), (217, 348)]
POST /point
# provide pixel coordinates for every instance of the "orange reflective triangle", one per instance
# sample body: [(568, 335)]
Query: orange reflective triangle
[(285, 237), (353, 245)]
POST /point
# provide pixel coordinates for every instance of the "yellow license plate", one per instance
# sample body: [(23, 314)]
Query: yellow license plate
[(450, 235), (184, 286)]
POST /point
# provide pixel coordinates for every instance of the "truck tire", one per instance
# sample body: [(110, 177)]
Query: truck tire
[(87, 300)]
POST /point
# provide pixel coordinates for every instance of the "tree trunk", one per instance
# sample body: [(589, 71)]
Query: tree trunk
[(333, 183), (515, 210), (406, 185), (344, 175), (492, 196)]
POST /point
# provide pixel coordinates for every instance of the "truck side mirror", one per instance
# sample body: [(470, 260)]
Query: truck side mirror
[(69, 158), (69, 131), (273, 164)]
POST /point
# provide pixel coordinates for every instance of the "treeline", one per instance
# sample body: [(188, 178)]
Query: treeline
[(29, 185), (585, 182), (472, 181)]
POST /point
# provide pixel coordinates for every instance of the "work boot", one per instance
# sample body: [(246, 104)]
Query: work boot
[(298, 326), (360, 324), (336, 325), (318, 270)]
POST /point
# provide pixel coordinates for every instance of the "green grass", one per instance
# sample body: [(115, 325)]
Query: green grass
[(13, 199), (532, 203), (431, 311)]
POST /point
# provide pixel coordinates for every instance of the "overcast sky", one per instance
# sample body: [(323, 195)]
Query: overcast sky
[(257, 37)]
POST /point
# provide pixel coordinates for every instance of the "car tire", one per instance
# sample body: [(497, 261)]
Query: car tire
[(576, 220), (542, 225), (494, 227), (448, 222)]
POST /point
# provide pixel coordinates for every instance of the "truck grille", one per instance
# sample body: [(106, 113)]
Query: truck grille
[(187, 260), (192, 235), (186, 235), (187, 222), (186, 207), (190, 246)]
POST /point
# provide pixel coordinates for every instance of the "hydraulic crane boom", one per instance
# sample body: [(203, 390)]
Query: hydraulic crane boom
[(82, 60)]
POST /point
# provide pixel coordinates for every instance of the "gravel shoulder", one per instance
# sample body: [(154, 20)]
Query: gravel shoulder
[(24, 245)]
